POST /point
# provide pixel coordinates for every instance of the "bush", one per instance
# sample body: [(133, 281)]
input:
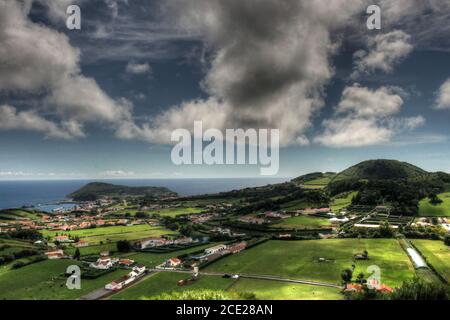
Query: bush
[(447, 239), (124, 246), (18, 265), (418, 289)]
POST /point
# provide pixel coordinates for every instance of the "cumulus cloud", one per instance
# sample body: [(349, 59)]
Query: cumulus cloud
[(39, 61), (270, 60), (443, 99), (366, 117), (384, 52), (137, 68), (363, 102), (11, 119)]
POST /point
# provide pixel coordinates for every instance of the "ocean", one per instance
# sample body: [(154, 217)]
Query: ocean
[(14, 194)]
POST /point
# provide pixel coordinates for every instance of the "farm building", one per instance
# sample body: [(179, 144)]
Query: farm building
[(216, 249), (238, 247)]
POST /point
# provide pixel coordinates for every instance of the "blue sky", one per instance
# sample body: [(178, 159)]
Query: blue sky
[(101, 102)]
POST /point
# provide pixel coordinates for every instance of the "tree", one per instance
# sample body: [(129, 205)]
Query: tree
[(347, 276), (447, 239), (385, 230), (366, 254), (124, 246), (186, 230), (434, 199), (360, 278), (141, 215), (77, 254)]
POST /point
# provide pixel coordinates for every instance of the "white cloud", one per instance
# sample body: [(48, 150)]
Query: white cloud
[(443, 99), (363, 102), (366, 117), (117, 173), (351, 132), (11, 119), (138, 68), (270, 61), (39, 61), (384, 52)]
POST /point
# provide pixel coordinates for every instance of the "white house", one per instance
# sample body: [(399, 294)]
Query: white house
[(173, 262), (103, 263), (216, 249)]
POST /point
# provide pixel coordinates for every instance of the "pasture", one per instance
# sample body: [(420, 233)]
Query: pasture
[(320, 260), (426, 209), (46, 281), (303, 222), (437, 255)]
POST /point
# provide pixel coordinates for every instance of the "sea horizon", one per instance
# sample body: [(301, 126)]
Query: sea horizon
[(19, 193)]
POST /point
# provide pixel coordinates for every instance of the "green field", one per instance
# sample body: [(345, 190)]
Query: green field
[(173, 212), (274, 290), (426, 209), (13, 214), (45, 281), (341, 202), (13, 246), (112, 234), (304, 222), (166, 282), (300, 260), (437, 254), (319, 183), (93, 249)]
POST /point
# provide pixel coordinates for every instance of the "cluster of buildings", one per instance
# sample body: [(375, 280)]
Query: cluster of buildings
[(202, 218), (64, 223), (227, 232), (155, 242), (118, 284), (428, 222), (210, 254), (105, 262)]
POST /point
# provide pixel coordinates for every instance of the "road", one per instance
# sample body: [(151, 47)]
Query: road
[(103, 293)]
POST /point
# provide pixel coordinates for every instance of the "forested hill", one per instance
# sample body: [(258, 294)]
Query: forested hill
[(97, 190)]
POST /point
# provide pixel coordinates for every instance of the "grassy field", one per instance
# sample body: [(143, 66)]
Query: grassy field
[(274, 290), (13, 246), (300, 260), (341, 202), (304, 222), (296, 205), (112, 234), (426, 209), (264, 290), (45, 281), (13, 214), (319, 183), (437, 254), (166, 282), (173, 212), (93, 249)]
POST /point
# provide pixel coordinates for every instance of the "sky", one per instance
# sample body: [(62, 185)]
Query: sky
[(102, 102)]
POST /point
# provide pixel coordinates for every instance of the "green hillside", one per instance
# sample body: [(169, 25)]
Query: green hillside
[(381, 170), (96, 190)]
